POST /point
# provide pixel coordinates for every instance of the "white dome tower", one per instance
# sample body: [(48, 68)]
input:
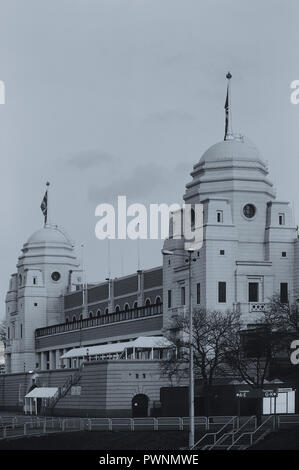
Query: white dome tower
[(35, 295)]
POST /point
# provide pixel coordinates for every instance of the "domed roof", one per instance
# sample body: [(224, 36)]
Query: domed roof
[(49, 234), (237, 149)]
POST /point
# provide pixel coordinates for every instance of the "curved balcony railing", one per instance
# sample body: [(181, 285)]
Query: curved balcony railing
[(125, 315)]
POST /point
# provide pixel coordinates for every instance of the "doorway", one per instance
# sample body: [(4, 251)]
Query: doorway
[(140, 406)]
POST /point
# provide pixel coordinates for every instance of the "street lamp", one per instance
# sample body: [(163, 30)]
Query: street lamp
[(191, 365)]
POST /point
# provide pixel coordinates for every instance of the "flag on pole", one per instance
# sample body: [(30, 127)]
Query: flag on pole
[(44, 205), (226, 107)]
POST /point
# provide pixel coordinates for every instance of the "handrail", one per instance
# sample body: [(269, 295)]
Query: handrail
[(233, 432), (251, 434), (214, 434), (242, 427)]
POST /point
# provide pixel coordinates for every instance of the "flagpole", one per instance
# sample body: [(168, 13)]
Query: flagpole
[(228, 115)]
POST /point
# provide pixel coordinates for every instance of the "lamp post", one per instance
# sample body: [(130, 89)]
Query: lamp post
[(191, 355)]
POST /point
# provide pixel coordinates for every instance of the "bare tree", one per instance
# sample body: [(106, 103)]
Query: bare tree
[(254, 353), (212, 337), (282, 316), (3, 331)]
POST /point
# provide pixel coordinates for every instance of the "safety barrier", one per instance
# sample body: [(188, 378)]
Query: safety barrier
[(218, 426)]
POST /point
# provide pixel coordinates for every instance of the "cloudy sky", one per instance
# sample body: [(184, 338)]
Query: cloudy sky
[(108, 97)]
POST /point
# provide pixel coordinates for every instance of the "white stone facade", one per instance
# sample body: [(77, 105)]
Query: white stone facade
[(35, 294), (250, 238)]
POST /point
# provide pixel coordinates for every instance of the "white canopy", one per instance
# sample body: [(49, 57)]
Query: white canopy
[(42, 392), (115, 348)]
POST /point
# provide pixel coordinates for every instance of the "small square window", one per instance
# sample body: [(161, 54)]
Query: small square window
[(222, 252), (284, 254), (219, 217), (35, 304)]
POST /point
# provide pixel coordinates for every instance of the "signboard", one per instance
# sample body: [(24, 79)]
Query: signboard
[(270, 393), (256, 393)]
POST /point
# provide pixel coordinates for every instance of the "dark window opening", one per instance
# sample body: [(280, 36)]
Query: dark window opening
[(222, 252), (284, 254), (169, 299), (219, 217), (284, 293), (192, 219), (198, 293), (222, 292), (253, 292), (183, 295), (281, 219)]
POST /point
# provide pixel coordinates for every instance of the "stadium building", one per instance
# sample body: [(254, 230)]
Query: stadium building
[(96, 349)]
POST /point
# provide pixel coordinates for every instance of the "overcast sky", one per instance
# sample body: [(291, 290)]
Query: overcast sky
[(108, 97)]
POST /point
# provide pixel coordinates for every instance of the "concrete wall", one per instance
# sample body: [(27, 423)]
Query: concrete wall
[(107, 387)]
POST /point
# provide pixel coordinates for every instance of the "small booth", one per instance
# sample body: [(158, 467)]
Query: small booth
[(37, 397)]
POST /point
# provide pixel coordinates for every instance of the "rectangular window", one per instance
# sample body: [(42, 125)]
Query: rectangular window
[(169, 299), (34, 280), (253, 292), (284, 254), (222, 252), (281, 219), (8, 333), (198, 293), (222, 292), (284, 293), (21, 330), (183, 295), (219, 217)]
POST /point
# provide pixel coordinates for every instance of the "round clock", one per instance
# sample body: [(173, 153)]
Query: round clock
[(55, 276), (249, 211)]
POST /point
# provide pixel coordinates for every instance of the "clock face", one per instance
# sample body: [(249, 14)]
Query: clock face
[(55, 276), (249, 211)]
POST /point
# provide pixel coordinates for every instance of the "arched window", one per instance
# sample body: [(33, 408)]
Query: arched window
[(98, 312), (135, 305), (158, 299), (148, 302), (74, 318), (20, 279), (81, 316), (90, 314), (66, 320), (117, 308), (106, 311), (127, 307)]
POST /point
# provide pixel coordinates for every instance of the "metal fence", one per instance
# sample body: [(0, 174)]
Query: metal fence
[(18, 426)]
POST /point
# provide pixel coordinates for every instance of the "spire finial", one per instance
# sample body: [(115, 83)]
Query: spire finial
[(228, 134)]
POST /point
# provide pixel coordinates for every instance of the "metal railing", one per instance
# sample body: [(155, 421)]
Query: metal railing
[(214, 436), (22, 425), (106, 319), (265, 427), (13, 427)]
